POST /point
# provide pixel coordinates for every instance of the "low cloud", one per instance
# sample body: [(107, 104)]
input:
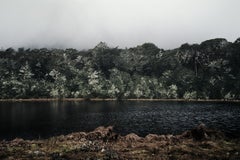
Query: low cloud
[(82, 24)]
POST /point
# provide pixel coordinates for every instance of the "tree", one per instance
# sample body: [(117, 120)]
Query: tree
[(58, 89)]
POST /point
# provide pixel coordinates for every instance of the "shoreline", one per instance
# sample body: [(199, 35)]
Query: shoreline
[(103, 143), (115, 99)]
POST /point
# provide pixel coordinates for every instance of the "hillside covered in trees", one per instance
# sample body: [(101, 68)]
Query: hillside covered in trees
[(210, 70)]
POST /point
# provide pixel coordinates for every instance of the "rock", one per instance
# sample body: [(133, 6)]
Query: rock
[(132, 137)]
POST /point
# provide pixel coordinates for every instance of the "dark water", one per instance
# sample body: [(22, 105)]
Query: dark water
[(43, 119)]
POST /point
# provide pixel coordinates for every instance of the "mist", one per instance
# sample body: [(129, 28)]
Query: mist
[(82, 24)]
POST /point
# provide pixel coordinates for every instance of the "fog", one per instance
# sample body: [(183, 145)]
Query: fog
[(82, 24)]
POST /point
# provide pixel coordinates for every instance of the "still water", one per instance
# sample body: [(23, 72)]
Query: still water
[(43, 119)]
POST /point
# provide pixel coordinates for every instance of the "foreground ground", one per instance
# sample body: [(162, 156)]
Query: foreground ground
[(103, 143)]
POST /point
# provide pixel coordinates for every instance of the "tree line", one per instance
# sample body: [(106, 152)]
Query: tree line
[(210, 70)]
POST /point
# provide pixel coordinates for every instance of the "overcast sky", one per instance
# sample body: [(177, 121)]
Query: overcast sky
[(82, 24)]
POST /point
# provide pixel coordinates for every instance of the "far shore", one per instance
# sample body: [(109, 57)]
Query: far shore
[(115, 99)]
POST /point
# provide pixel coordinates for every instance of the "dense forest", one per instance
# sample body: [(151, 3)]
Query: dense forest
[(210, 70)]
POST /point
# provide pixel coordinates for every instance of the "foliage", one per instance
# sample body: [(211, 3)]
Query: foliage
[(207, 70)]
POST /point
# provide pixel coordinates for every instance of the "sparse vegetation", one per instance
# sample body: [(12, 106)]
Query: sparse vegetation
[(103, 143)]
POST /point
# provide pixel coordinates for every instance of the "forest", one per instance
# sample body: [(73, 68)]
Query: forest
[(209, 70)]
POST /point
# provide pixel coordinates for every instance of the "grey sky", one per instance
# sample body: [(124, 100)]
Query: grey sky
[(82, 24)]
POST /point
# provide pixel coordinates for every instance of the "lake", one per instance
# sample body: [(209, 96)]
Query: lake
[(44, 119)]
